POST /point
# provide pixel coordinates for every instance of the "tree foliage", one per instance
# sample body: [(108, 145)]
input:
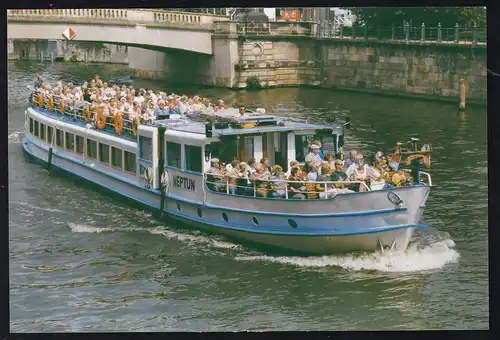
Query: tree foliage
[(430, 16)]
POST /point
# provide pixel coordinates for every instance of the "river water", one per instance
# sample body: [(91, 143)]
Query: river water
[(84, 260)]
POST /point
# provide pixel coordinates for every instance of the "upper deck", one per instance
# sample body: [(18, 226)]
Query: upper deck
[(225, 122)]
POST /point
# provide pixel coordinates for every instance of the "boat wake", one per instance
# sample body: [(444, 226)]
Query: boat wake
[(15, 137), (170, 234), (416, 259)]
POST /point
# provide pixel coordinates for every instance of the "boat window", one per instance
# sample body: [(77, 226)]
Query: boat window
[(36, 128), (79, 145), (146, 148), (130, 162), (193, 158), (70, 141), (91, 149), (303, 143), (116, 158), (174, 155), (226, 149), (42, 131), (249, 147), (104, 153), (50, 131), (59, 137), (31, 125)]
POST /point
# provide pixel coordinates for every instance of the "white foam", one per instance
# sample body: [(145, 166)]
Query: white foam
[(183, 237), (15, 136), (432, 257), (83, 228)]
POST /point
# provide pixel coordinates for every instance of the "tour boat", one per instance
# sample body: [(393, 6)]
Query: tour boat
[(162, 164)]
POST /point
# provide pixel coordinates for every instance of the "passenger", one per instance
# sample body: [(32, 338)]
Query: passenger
[(265, 165), (377, 174), (278, 185), (325, 190), (161, 112), (350, 161), (292, 164), (359, 172), (261, 185), (233, 173), (320, 152), (243, 181), (329, 160), (312, 172), (252, 163), (313, 156), (215, 178), (296, 185)]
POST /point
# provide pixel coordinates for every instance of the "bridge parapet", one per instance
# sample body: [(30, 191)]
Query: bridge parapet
[(272, 28), (145, 16)]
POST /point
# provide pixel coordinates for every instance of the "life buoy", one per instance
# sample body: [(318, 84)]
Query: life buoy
[(101, 118), (51, 104), (135, 123), (86, 114), (41, 101), (61, 106), (148, 175), (118, 123)]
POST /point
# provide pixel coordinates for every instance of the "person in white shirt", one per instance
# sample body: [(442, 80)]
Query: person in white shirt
[(313, 157)]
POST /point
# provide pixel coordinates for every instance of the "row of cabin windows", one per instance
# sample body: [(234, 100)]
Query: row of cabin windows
[(193, 154), (120, 159)]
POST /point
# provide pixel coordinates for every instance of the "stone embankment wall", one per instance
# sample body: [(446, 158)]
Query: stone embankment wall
[(421, 70), (276, 63), (426, 70), (67, 50)]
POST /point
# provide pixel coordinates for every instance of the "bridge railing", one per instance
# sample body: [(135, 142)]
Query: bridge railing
[(457, 34), (272, 28), (124, 15)]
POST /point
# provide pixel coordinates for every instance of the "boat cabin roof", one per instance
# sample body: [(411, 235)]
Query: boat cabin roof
[(227, 123)]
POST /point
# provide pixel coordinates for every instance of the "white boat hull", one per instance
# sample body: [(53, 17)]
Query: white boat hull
[(355, 222)]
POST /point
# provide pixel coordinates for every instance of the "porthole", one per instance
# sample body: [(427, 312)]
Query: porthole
[(292, 223), (178, 207), (224, 216), (200, 214), (255, 221)]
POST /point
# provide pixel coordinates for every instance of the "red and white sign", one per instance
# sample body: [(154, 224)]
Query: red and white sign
[(69, 33)]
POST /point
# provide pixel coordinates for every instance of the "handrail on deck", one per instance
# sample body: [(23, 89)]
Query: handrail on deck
[(326, 186)]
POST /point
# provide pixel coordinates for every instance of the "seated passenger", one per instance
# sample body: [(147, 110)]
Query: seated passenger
[(339, 174), (325, 190), (233, 173), (377, 175), (161, 112), (215, 179), (243, 182), (279, 185), (296, 184), (259, 179), (265, 165), (359, 171), (292, 164)]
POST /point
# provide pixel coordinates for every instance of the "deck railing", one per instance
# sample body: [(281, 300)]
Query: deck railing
[(255, 189), (76, 109)]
